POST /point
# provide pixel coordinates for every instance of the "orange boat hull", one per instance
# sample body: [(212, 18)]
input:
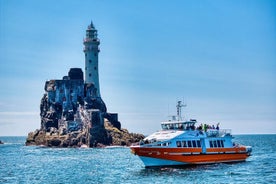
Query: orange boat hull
[(183, 156)]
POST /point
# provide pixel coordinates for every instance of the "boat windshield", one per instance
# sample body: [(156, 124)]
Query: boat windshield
[(178, 126)]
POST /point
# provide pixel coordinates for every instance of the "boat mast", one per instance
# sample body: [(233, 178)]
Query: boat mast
[(178, 107)]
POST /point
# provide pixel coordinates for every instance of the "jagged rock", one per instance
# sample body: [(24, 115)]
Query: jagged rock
[(62, 131), (94, 103), (54, 142), (113, 120), (73, 115), (65, 143), (122, 137), (36, 138), (99, 134), (1, 142), (98, 137)]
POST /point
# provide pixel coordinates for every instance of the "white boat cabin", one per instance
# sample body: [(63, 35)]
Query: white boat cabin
[(186, 134), (178, 125)]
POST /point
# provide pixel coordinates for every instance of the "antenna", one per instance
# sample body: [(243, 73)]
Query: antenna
[(178, 107)]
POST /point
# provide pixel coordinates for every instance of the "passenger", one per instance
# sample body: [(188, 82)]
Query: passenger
[(213, 127), (217, 126), (205, 127), (200, 127)]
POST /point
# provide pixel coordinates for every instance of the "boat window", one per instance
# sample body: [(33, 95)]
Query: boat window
[(171, 127), (164, 144), (215, 143), (189, 144), (194, 143), (184, 143), (222, 144), (184, 126), (164, 126), (219, 143), (198, 143), (178, 143), (211, 144)]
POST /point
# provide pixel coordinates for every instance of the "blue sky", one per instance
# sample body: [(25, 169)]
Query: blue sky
[(219, 56)]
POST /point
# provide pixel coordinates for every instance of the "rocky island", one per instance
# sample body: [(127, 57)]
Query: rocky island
[(72, 111)]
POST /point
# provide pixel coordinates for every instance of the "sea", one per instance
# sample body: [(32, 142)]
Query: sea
[(34, 164)]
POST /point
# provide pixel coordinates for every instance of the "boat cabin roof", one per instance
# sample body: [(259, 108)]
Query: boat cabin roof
[(163, 136), (178, 125)]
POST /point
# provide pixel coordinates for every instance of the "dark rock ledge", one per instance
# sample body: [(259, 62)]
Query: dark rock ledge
[(76, 139)]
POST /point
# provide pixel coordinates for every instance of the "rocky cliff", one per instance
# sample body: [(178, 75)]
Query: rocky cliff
[(73, 116)]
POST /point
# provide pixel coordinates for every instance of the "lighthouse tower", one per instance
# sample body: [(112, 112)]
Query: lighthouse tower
[(91, 51)]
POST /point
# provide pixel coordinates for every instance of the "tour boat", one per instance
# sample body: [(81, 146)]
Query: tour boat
[(182, 143)]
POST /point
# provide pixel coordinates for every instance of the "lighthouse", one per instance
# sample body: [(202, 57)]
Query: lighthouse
[(91, 51)]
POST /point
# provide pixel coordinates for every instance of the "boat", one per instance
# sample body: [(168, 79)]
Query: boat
[(180, 143)]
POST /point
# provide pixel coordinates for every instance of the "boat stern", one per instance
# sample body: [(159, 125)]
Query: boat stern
[(248, 150)]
